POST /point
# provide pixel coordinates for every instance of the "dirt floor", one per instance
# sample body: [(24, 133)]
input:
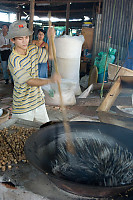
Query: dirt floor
[(30, 183), (77, 112), (83, 110), (24, 175)]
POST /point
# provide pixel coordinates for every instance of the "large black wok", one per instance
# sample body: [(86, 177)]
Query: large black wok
[(42, 147)]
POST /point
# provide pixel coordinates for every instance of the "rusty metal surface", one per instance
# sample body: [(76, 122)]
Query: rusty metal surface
[(121, 27), (96, 101), (105, 114), (104, 194), (116, 119)]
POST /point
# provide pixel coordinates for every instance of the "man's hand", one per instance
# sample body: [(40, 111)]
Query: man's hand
[(39, 82), (56, 77)]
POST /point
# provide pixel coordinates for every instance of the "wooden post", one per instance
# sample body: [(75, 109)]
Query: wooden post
[(32, 5), (67, 17), (19, 13), (99, 7)]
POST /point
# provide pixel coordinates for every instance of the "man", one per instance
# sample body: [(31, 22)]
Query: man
[(5, 49), (28, 97)]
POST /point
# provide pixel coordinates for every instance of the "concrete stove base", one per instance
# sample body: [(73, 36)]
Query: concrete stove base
[(18, 194), (32, 184)]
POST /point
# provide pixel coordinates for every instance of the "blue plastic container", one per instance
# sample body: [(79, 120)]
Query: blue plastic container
[(100, 77)]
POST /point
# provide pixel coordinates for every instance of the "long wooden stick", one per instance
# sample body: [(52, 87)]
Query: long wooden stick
[(69, 144), (32, 10)]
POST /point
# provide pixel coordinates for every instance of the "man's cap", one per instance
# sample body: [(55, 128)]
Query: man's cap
[(18, 29)]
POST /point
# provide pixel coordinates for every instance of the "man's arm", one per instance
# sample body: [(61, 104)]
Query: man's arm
[(39, 82)]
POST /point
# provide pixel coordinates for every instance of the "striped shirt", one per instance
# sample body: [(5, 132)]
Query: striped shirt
[(23, 68)]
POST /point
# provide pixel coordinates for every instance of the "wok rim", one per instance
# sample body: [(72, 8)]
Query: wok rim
[(94, 191), (98, 191)]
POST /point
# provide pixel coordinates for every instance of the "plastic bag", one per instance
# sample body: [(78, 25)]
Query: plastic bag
[(84, 81), (101, 60), (68, 52), (52, 96)]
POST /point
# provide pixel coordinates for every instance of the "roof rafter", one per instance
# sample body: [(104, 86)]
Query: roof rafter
[(48, 1), (60, 11)]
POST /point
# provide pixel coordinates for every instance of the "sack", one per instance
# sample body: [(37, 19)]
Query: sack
[(68, 52), (52, 96), (5, 55), (101, 60)]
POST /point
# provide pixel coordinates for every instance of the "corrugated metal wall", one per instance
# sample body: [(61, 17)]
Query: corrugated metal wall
[(116, 18)]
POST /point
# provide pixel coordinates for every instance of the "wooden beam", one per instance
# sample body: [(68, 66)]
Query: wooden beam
[(32, 5), (49, 1), (104, 114), (127, 79), (111, 96), (71, 24), (114, 71), (60, 11), (67, 17), (15, 2), (65, 1), (19, 13)]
